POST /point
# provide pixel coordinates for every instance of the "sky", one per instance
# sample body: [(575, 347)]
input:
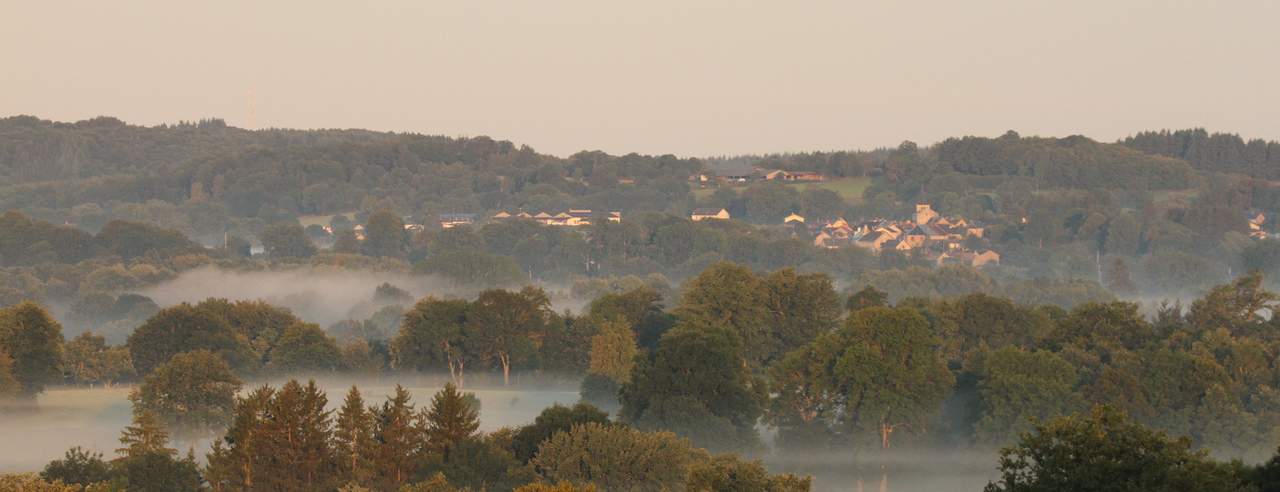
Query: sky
[(704, 78)]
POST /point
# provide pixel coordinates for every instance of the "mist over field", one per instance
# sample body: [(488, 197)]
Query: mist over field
[(94, 418), (316, 295)]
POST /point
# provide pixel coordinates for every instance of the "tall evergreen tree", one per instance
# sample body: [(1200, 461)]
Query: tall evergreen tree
[(399, 441), (144, 436), (353, 442), (148, 465), (450, 420), (297, 429), (237, 461)]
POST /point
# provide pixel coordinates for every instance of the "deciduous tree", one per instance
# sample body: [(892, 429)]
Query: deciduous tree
[(33, 341), (1104, 451), (697, 386), (284, 240), (193, 394), (617, 458)]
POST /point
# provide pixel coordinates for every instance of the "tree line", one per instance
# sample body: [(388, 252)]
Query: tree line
[(828, 371), (287, 439)]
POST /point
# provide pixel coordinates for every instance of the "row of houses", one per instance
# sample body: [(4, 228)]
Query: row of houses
[(747, 173), (924, 229), (571, 218)]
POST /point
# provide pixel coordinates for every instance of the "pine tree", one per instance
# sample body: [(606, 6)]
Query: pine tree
[(354, 446), (398, 441), (297, 429), (450, 420), (236, 462), (144, 436), (147, 465)]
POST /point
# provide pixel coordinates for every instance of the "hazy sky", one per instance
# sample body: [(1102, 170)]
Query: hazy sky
[(691, 78)]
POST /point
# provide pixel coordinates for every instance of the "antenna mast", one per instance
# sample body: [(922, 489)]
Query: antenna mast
[(253, 123)]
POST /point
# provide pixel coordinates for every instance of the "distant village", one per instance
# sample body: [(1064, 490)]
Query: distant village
[(939, 239), (923, 233), (925, 229)]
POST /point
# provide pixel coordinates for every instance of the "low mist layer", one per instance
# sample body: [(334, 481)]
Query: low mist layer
[(316, 295)]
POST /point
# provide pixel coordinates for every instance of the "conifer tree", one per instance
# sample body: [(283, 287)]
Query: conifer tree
[(353, 443), (297, 430), (147, 465), (398, 441), (236, 462), (450, 420), (144, 436)]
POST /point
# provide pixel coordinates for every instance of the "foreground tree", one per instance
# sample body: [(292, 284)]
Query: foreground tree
[(450, 420), (617, 458), (147, 464), (553, 419), (1105, 452), (78, 467), (480, 462), (399, 441), (296, 430), (30, 482), (237, 460), (354, 447), (193, 395), (728, 473)]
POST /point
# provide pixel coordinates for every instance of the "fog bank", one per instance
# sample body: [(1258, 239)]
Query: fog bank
[(317, 295)]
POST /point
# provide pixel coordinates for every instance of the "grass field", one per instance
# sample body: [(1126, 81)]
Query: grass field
[(850, 189), (321, 220)]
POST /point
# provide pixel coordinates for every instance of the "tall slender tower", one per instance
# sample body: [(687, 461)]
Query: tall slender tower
[(253, 122)]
